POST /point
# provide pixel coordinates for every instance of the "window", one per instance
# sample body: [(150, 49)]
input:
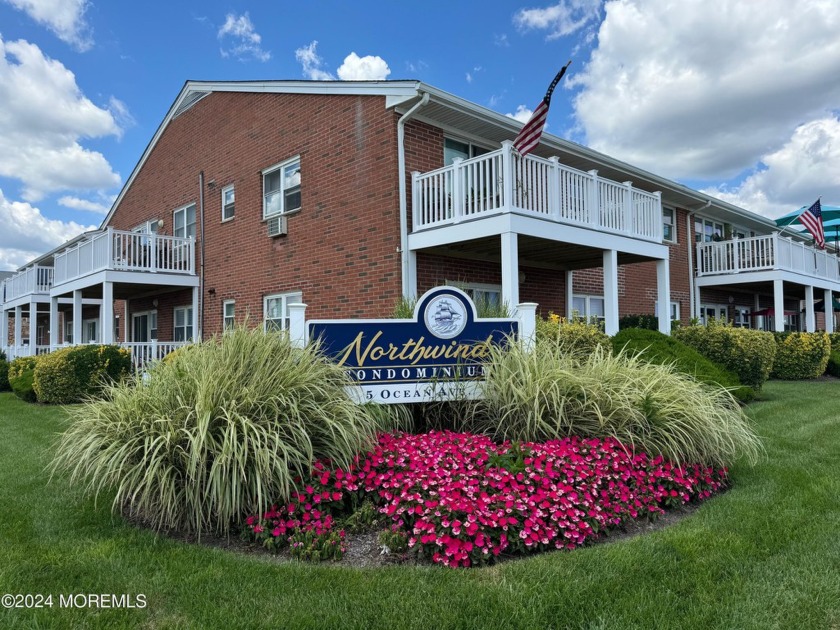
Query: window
[(669, 230), (675, 310), (149, 227), (484, 295), (89, 327), (459, 149), (184, 221), (709, 312), (68, 331), (228, 198), (742, 317), (706, 230), (183, 323), (116, 328), (588, 307), (281, 188), (228, 314), (276, 310)]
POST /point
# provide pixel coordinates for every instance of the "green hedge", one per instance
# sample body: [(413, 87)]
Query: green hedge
[(574, 337), (654, 347), (801, 355), (833, 365), (22, 376), (4, 373), (746, 352), (71, 375)]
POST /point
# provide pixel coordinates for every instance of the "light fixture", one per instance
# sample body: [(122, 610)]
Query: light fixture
[(731, 300), (155, 302), (211, 183), (160, 223)]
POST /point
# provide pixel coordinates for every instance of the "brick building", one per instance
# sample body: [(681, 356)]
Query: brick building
[(347, 195)]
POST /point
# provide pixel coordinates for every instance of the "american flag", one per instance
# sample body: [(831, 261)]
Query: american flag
[(529, 136), (812, 220)]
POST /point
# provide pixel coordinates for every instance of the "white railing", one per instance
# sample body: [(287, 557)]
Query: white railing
[(126, 251), (764, 253), (36, 279), (143, 353), (502, 181)]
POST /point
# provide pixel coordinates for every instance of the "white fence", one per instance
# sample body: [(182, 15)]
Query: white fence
[(764, 253), (126, 251), (142, 353), (502, 181)]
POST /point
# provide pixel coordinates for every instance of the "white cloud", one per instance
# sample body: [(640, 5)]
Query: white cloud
[(77, 203), (804, 168), (367, 68), (471, 74), (43, 117), (242, 40), (25, 233), (66, 18), (312, 63), (501, 41), (564, 18), (522, 114), (703, 91)]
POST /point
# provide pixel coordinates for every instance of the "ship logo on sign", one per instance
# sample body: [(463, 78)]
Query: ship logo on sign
[(446, 316)]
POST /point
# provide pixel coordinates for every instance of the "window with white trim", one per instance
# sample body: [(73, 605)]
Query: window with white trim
[(149, 227), (675, 310), (669, 229), (276, 310), (89, 327), (488, 294), (460, 149), (742, 317), (588, 307), (68, 331), (228, 202), (281, 188), (228, 314), (183, 221), (706, 230), (183, 323)]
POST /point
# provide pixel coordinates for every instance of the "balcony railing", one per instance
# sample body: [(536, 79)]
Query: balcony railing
[(142, 353), (765, 253), (126, 251), (36, 279), (502, 181)]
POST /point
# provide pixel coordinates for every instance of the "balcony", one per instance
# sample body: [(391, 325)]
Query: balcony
[(768, 253), (117, 250), (503, 182), (36, 280)]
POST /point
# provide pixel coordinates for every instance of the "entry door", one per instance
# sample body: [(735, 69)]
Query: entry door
[(712, 311), (140, 328)]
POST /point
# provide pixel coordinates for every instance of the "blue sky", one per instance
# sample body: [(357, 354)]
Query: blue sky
[(737, 102)]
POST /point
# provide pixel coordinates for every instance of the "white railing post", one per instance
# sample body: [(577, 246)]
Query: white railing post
[(628, 208), (507, 174), (153, 252), (526, 313), (110, 247), (594, 204), (556, 204), (736, 259), (297, 325), (457, 193)]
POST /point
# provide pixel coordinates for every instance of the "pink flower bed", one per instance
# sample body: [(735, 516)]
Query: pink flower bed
[(465, 500)]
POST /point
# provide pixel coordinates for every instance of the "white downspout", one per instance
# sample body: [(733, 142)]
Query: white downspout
[(404, 253)]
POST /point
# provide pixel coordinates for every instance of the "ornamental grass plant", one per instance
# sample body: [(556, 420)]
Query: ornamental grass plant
[(549, 394), (216, 433)]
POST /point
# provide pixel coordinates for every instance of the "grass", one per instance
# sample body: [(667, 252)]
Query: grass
[(763, 555)]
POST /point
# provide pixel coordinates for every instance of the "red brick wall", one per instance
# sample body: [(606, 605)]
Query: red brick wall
[(341, 250)]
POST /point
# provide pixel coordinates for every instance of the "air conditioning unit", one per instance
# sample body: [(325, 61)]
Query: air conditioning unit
[(277, 227)]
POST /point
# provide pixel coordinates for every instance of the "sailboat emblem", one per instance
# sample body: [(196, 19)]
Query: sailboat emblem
[(446, 316)]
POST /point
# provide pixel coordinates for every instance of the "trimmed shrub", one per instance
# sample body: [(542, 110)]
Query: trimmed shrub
[(215, 435), (647, 322), (833, 365), (746, 352), (801, 355), (4, 373), (572, 337), (549, 394), (654, 347), (71, 375), (22, 376)]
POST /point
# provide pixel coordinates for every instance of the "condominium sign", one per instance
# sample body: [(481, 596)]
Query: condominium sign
[(439, 354)]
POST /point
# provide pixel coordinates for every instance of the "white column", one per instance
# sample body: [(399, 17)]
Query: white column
[(828, 302), (696, 313), (810, 319), (18, 329), (778, 306), (510, 269), (570, 294), (4, 341), (106, 313), (526, 313), (195, 320), (611, 291), (53, 322), (297, 325), (410, 290), (663, 295), (757, 322), (77, 317), (33, 328)]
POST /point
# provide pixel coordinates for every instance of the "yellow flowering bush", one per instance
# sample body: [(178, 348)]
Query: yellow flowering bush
[(575, 336), (21, 375), (72, 374), (801, 355)]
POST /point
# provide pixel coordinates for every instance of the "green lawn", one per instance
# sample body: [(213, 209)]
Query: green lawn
[(763, 555)]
